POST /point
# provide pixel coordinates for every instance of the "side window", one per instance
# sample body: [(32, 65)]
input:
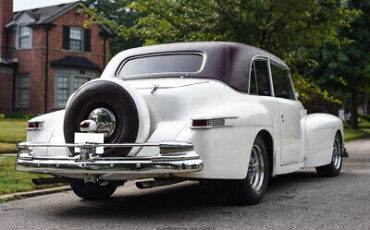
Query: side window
[(260, 70), (253, 82), (282, 85)]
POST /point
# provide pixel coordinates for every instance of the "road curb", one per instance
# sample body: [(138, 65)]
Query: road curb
[(20, 195)]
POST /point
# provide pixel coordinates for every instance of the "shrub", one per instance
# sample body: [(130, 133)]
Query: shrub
[(2, 116), (14, 115), (366, 117), (29, 116)]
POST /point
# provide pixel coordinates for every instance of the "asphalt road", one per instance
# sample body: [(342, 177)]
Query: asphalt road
[(297, 201)]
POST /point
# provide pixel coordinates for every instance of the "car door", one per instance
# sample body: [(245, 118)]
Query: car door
[(290, 111)]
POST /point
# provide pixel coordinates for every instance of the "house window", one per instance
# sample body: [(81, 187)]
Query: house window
[(62, 93), (68, 82), (24, 37), (78, 81), (75, 38), (22, 91)]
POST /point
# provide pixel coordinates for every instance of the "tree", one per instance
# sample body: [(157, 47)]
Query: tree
[(115, 10), (286, 28), (346, 67)]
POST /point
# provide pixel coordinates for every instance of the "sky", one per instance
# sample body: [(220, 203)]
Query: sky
[(30, 4)]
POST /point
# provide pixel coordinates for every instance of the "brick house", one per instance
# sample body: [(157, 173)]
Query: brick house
[(45, 55)]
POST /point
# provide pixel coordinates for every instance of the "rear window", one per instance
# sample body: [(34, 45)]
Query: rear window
[(165, 63)]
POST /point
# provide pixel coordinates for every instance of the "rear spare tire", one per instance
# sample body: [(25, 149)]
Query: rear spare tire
[(113, 99)]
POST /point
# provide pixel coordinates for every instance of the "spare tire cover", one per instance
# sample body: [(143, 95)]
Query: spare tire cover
[(109, 95)]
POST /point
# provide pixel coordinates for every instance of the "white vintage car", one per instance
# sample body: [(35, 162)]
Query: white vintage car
[(207, 111)]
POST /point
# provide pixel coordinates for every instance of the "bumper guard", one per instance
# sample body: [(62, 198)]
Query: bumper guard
[(174, 157)]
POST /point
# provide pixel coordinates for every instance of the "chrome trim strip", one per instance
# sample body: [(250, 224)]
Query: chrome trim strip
[(210, 118), (165, 147), (215, 122)]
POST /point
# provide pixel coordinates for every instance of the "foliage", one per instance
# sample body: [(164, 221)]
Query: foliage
[(115, 10), (345, 66), (14, 115), (2, 116), (286, 28), (29, 116), (366, 117)]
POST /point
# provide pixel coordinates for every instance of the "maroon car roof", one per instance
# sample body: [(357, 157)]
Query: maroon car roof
[(228, 62)]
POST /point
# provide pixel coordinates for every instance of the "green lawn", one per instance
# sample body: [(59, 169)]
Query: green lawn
[(13, 130), (12, 181), (351, 134), (8, 148)]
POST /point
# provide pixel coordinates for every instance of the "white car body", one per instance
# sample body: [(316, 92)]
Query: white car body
[(167, 107)]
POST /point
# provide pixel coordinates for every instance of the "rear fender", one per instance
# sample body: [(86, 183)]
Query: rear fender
[(225, 151)]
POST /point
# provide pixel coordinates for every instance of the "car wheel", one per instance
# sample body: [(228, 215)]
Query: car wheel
[(333, 169), (93, 191), (250, 190)]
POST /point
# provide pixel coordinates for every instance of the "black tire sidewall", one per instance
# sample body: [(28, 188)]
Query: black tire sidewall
[(104, 94), (93, 191)]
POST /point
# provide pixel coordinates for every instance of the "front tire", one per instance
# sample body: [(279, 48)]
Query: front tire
[(333, 169), (251, 190), (93, 191)]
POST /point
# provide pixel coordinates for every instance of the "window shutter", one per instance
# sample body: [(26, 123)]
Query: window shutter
[(66, 31), (87, 40)]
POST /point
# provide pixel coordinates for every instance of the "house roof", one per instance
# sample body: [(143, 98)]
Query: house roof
[(74, 61), (46, 15)]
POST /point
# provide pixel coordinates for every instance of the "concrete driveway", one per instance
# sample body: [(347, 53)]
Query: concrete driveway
[(296, 201)]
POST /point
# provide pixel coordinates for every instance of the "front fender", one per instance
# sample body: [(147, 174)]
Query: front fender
[(320, 130)]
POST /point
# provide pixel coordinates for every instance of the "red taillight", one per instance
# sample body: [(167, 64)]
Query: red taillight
[(209, 123), (35, 125), (198, 123)]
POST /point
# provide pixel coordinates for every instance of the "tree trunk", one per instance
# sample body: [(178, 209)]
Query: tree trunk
[(354, 102)]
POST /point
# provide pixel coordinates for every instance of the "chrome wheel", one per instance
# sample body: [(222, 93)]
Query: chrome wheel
[(337, 154), (256, 169), (105, 120)]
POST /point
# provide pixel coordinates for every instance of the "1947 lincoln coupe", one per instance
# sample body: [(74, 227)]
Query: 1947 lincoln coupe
[(208, 111)]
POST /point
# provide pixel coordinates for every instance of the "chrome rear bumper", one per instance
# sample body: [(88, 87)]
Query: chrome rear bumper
[(174, 157)]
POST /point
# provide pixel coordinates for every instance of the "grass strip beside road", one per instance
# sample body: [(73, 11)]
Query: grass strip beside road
[(352, 134), (12, 181)]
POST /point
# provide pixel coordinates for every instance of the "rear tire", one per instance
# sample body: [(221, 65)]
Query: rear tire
[(333, 169), (93, 191), (251, 190)]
